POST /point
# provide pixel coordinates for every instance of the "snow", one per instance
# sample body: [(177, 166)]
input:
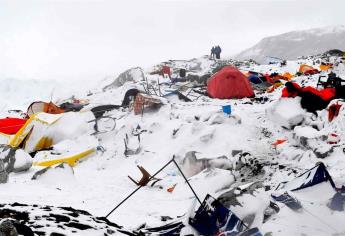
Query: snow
[(219, 143)]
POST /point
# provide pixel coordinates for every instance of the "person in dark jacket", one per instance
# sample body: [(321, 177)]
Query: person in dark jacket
[(217, 51), (212, 52)]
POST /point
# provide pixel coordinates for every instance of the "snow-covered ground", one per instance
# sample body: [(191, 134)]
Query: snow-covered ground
[(195, 129)]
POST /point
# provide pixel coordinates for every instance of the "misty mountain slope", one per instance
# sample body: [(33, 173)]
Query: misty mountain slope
[(18, 94), (293, 44)]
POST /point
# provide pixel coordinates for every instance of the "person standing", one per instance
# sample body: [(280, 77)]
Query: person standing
[(217, 51), (212, 52)]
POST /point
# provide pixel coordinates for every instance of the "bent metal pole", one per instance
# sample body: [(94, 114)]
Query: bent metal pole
[(168, 163)]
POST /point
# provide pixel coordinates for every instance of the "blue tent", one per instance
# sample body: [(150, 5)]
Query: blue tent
[(288, 200), (212, 217), (315, 175), (255, 79)]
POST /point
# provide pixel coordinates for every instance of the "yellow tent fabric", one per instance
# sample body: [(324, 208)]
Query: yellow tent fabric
[(33, 136), (71, 160)]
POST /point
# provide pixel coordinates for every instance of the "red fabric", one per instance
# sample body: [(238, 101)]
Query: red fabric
[(166, 71), (311, 72), (285, 92), (229, 82), (269, 79), (326, 94), (11, 125), (333, 111)]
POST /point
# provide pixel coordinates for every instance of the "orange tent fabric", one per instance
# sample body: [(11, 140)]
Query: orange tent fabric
[(50, 108), (305, 69), (229, 82), (287, 75), (325, 67)]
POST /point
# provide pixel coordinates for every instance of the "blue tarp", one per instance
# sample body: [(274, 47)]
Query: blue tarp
[(255, 79), (316, 175), (288, 200), (212, 217)]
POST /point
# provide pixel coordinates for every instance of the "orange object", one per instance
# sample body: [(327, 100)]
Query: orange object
[(279, 141), (288, 76), (325, 67), (171, 189), (46, 107), (307, 70), (277, 84)]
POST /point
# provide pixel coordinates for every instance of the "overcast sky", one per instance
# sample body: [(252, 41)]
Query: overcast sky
[(88, 40)]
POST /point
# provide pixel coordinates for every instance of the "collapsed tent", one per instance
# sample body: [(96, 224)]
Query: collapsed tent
[(229, 82), (307, 70), (43, 130), (212, 218), (46, 107), (314, 176)]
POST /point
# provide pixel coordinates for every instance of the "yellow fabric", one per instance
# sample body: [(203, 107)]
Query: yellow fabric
[(45, 142), (31, 137), (71, 160), (273, 87)]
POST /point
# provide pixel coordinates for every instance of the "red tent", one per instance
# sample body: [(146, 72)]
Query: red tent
[(11, 125), (229, 82)]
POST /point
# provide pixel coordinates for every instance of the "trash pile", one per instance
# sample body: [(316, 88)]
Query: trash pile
[(199, 147)]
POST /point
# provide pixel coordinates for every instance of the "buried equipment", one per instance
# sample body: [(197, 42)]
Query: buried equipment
[(153, 176), (145, 179), (210, 218)]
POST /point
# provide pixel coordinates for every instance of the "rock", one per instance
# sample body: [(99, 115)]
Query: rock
[(3, 173), (7, 228), (14, 159), (131, 75)]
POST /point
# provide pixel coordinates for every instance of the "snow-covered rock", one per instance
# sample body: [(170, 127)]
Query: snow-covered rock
[(14, 159), (291, 45), (132, 75)]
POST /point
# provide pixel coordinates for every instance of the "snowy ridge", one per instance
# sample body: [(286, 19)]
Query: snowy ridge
[(293, 44)]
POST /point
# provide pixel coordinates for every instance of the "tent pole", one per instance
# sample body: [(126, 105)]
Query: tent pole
[(173, 160), (118, 205)]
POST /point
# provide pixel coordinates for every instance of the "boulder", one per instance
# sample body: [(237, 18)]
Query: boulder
[(3, 173), (7, 228), (14, 159)]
